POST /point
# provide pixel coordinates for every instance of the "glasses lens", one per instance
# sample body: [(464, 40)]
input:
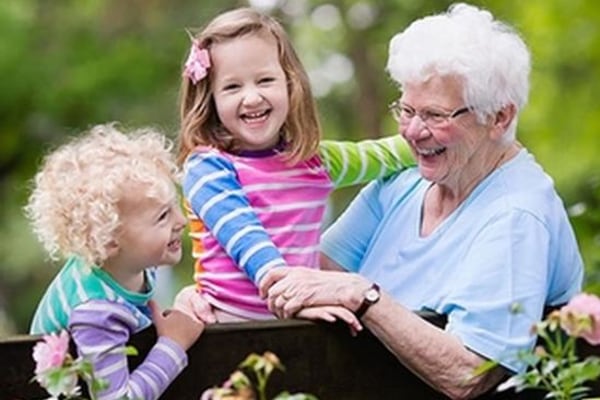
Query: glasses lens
[(431, 118), (395, 110)]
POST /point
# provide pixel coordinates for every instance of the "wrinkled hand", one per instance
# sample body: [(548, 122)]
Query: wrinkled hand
[(332, 314), (289, 289), (189, 301), (176, 325)]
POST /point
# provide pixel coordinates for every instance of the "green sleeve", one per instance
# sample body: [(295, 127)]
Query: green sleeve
[(350, 163)]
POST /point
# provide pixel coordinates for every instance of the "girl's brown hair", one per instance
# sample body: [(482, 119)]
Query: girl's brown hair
[(200, 124)]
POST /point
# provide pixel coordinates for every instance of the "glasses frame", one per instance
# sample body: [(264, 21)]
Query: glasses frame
[(398, 111)]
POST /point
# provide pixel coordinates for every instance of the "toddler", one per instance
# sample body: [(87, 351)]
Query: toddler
[(107, 203)]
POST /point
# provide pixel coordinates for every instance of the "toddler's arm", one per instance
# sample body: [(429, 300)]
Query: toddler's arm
[(101, 330), (176, 326), (351, 163)]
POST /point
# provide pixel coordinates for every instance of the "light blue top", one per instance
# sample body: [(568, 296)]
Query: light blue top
[(509, 243)]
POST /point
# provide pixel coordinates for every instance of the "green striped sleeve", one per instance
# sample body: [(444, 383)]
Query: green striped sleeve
[(351, 163)]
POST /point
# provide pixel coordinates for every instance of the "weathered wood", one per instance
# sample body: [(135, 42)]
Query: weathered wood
[(320, 358)]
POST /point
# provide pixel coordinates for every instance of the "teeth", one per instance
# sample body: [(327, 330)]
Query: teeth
[(174, 244), (255, 115), (431, 152)]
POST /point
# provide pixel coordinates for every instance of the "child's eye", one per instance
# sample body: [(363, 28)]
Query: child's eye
[(267, 79), (164, 215), (230, 87)]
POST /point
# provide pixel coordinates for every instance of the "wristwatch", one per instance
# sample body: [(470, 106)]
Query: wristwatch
[(370, 297)]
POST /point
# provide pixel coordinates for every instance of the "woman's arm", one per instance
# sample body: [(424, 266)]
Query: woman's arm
[(327, 264), (439, 358)]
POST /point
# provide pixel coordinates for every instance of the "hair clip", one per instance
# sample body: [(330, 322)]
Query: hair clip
[(197, 63)]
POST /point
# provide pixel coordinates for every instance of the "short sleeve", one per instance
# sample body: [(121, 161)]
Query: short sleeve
[(347, 240), (501, 288)]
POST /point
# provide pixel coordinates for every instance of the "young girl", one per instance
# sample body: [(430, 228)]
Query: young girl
[(256, 177), (108, 204)]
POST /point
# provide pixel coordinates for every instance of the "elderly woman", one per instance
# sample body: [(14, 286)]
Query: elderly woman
[(476, 231)]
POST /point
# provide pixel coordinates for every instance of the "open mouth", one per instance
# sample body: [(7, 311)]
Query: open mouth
[(255, 117), (430, 152), (174, 245)]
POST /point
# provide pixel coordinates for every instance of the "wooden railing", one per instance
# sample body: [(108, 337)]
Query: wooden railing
[(320, 358)]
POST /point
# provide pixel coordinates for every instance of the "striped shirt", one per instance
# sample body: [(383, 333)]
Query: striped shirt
[(249, 214), (101, 316)]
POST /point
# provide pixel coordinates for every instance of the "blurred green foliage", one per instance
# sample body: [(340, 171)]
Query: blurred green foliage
[(67, 65)]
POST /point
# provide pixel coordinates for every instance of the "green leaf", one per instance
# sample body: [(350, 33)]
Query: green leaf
[(483, 368)]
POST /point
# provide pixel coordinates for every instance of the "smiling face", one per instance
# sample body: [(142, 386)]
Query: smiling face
[(150, 233), (250, 90), (455, 152)]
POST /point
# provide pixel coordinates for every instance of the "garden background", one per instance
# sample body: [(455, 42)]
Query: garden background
[(66, 65)]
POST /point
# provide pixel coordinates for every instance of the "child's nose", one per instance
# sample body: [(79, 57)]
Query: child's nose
[(252, 97)]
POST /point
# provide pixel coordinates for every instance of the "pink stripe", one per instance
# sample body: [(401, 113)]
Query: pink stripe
[(314, 185)]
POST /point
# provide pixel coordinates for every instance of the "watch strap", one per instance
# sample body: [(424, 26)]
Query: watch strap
[(366, 303)]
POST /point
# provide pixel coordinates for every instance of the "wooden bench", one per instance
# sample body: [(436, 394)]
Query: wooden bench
[(320, 358)]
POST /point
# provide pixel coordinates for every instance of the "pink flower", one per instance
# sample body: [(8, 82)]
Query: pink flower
[(51, 351), (581, 317), (197, 63)]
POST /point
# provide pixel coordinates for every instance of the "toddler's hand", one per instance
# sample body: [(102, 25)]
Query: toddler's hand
[(189, 301), (332, 314), (176, 325)]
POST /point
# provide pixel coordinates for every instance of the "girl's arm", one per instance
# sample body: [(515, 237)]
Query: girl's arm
[(101, 330), (214, 193), (351, 163)]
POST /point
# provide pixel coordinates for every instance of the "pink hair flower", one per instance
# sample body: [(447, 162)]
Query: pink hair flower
[(197, 63)]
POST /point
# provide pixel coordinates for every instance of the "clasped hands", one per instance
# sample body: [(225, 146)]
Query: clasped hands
[(297, 292)]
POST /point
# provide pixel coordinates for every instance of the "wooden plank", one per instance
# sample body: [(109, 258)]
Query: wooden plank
[(320, 358)]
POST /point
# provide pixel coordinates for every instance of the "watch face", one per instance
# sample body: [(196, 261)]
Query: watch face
[(372, 295)]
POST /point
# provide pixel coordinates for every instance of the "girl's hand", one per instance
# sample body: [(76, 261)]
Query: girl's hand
[(332, 314), (176, 325), (189, 301)]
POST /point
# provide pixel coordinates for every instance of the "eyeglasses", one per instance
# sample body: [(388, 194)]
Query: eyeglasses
[(431, 118)]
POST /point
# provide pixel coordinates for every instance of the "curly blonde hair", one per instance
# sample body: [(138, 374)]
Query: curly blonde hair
[(73, 207)]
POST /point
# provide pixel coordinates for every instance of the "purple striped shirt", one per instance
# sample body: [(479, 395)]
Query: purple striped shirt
[(101, 329)]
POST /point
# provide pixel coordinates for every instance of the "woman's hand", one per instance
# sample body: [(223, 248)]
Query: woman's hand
[(290, 289), (332, 314)]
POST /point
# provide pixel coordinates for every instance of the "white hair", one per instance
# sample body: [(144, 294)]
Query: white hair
[(488, 56)]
